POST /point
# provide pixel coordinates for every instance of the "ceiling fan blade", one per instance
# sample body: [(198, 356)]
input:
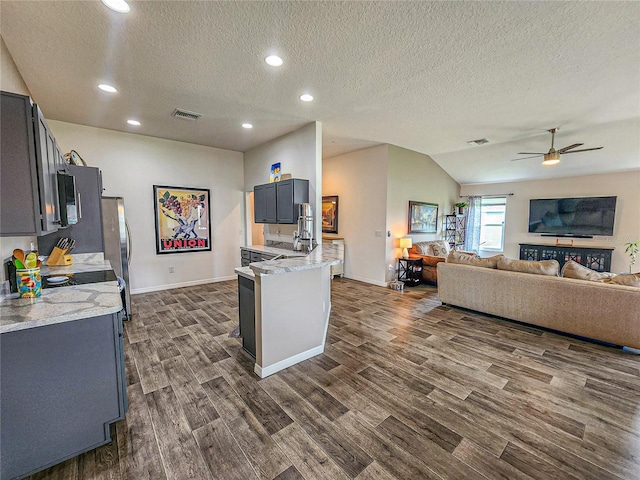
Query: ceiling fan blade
[(566, 149), (531, 153), (584, 150), (524, 158)]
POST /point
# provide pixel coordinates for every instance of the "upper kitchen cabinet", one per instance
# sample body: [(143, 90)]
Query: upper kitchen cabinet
[(29, 160), (290, 193), (264, 203), (278, 202)]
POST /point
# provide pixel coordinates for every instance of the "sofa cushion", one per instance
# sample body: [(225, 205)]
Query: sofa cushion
[(431, 261), (435, 248), (628, 279), (472, 259), (422, 248), (440, 248), (573, 269), (542, 267)]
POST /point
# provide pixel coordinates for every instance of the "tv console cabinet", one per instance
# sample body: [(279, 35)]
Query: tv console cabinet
[(595, 258)]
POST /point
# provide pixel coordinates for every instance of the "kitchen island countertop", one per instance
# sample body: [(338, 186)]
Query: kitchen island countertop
[(323, 255)]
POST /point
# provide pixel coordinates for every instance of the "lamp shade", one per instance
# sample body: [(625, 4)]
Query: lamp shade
[(405, 243)]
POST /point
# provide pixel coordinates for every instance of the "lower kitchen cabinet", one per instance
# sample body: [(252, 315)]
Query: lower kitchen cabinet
[(247, 312), (62, 385), (248, 256)]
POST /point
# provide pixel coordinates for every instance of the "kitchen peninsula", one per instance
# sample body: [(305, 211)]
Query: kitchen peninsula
[(292, 304), (62, 366)]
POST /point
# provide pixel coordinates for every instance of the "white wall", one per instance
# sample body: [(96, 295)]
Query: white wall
[(360, 181), (626, 186), (11, 81), (414, 176), (131, 164), (300, 155)]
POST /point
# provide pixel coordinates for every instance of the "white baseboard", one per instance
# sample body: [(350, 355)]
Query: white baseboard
[(287, 362), (171, 286)]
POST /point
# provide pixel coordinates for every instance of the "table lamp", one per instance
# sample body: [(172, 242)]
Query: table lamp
[(405, 243)]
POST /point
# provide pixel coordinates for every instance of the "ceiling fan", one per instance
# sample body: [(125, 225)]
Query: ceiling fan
[(552, 157)]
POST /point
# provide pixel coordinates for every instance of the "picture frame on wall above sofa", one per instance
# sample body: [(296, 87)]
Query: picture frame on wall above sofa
[(423, 217), (330, 214), (182, 218)]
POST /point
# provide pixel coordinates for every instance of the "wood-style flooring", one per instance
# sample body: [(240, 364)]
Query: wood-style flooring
[(407, 389)]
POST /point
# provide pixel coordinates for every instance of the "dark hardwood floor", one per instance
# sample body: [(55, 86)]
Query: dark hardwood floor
[(407, 389)]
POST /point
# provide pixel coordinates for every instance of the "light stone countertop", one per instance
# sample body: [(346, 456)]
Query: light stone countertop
[(324, 255), (61, 304), (274, 250), (246, 272)]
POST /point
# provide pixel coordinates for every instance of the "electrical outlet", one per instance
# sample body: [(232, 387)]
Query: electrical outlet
[(170, 269), (390, 267)]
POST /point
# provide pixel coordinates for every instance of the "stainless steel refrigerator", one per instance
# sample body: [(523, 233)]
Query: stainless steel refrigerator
[(117, 243)]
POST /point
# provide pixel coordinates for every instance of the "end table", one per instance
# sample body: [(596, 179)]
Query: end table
[(410, 271)]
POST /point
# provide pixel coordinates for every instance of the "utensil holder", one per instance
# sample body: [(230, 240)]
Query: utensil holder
[(29, 282), (59, 257)]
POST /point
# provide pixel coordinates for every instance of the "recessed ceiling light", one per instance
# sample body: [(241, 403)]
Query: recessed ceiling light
[(133, 122), (247, 125), (119, 6), (273, 60), (306, 97), (107, 88)]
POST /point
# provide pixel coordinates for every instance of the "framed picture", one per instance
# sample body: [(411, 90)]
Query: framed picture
[(330, 214), (182, 219), (274, 176), (423, 217)]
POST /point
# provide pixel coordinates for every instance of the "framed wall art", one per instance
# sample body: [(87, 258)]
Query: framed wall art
[(182, 218), (330, 214), (423, 217)]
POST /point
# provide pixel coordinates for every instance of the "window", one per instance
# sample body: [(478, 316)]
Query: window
[(492, 217)]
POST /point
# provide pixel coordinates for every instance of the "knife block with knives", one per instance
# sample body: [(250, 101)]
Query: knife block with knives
[(59, 255)]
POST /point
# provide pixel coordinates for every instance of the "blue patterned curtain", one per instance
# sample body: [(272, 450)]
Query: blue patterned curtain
[(472, 235)]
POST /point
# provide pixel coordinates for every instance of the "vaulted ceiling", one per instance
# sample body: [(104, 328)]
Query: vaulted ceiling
[(427, 76)]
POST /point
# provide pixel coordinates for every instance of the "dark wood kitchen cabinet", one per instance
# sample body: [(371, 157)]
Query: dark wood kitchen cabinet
[(264, 201), (290, 194), (278, 202), (246, 312), (62, 386), (30, 158)]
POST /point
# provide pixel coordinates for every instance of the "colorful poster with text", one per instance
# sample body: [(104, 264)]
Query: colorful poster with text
[(182, 219)]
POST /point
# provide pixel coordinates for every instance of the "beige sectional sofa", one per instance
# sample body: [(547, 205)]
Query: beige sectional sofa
[(601, 311)]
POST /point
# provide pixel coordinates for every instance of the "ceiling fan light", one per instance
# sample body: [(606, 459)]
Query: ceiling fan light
[(551, 159)]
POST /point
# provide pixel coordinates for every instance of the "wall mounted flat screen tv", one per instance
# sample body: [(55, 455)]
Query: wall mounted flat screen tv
[(585, 216)]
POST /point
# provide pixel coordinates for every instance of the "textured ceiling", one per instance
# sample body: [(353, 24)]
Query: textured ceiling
[(427, 76)]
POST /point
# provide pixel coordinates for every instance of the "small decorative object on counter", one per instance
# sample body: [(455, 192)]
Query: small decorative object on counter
[(59, 255), (29, 282)]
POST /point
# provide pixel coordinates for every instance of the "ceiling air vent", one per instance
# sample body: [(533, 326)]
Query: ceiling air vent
[(480, 141), (186, 114)]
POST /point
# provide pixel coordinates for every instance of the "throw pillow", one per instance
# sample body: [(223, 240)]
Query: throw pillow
[(423, 248), (628, 279), (543, 267), (472, 259), (440, 248), (573, 269)]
